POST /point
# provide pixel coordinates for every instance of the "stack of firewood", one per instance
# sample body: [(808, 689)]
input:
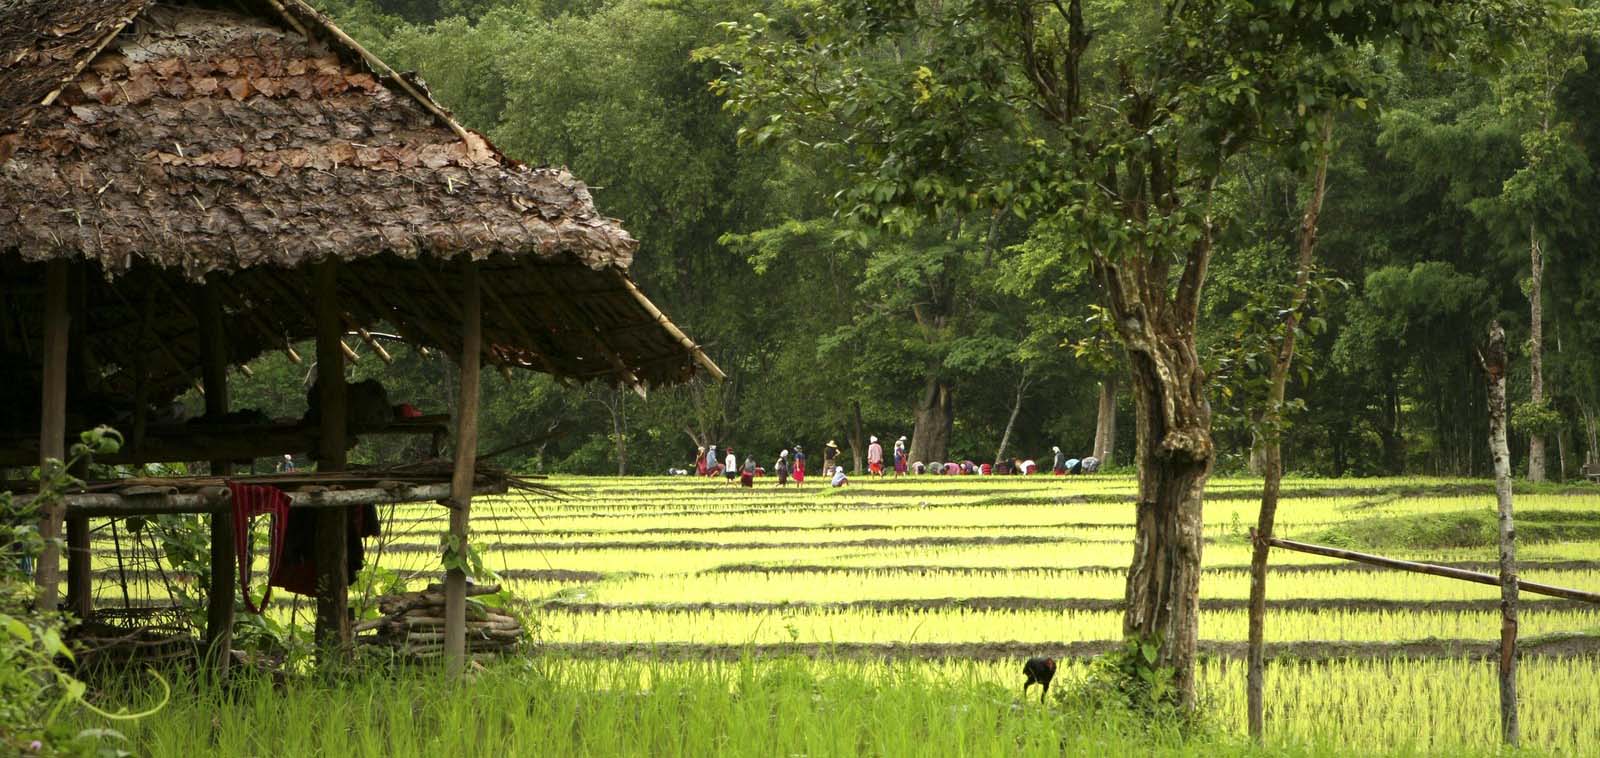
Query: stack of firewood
[(413, 623)]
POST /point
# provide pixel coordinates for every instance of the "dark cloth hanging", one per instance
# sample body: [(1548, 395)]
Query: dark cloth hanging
[(250, 501), (298, 571)]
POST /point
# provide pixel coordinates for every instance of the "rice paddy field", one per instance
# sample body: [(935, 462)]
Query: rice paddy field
[(913, 602)]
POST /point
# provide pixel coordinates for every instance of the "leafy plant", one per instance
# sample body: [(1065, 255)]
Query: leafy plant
[(35, 688)]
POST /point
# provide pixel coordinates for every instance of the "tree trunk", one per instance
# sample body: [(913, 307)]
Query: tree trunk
[(1494, 365), (1105, 428), (1011, 422), (858, 442), (1174, 458), (930, 438), (1270, 431), (1536, 465)]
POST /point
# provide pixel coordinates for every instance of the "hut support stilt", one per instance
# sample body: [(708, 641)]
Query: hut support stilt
[(455, 582), (333, 584), (53, 425), (80, 581), (219, 597)]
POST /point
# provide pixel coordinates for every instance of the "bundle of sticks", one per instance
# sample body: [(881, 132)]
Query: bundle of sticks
[(413, 623)]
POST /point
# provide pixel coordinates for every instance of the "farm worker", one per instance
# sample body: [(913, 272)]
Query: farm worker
[(799, 466), (781, 468), (700, 461), (287, 465), (713, 464), (952, 469), (839, 479), (936, 468), (730, 468), (875, 458), (917, 468), (1074, 466), (747, 477), (1091, 465), (900, 457), (1059, 466), (830, 454), (986, 469), (1028, 466)]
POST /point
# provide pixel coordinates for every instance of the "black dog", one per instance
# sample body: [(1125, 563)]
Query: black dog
[(1040, 670)]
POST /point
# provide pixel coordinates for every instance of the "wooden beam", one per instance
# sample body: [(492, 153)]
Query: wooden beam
[(333, 590), (210, 500), (53, 425), (219, 596), (1432, 570), (466, 461)]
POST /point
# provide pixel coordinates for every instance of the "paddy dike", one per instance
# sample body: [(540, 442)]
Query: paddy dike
[(1333, 566), (1077, 652), (1087, 605)]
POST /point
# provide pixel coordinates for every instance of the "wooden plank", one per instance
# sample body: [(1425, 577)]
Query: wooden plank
[(53, 426), (333, 590), (466, 461), (219, 596), (1430, 569)]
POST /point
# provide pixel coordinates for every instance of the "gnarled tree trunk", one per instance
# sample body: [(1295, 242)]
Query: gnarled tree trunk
[(1174, 451), (1174, 457), (930, 438)]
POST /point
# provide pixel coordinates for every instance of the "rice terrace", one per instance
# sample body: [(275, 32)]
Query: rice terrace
[(799, 378)]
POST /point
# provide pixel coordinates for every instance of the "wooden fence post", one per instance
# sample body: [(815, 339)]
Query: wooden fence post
[(1494, 366), (466, 460)]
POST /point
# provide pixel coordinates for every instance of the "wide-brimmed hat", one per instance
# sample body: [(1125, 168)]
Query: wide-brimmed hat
[(831, 444), (874, 439), (902, 438), (784, 454), (1055, 449)]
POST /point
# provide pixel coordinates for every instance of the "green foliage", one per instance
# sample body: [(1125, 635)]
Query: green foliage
[(36, 690)]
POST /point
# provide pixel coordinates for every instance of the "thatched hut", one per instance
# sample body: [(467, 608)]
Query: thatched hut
[(184, 186)]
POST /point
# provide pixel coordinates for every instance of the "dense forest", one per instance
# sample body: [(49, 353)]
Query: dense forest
[(1459, 190)]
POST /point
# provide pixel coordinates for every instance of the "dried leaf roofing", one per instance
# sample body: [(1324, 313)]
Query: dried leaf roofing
[(162, 144)]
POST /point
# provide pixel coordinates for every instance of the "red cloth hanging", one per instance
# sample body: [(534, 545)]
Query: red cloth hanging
[(249, 501)]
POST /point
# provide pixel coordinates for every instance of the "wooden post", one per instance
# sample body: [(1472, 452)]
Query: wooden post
[(333, 585), (80, 580), (455, 580), (53, 426), (219, 596), (1494, 366)]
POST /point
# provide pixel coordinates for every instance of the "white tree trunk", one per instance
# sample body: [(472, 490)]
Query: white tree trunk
[(1536, 464), (1494, 364)]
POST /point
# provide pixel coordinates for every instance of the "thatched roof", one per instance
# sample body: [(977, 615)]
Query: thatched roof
[(161, 143)]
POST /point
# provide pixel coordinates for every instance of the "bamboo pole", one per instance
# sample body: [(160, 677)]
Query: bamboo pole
[(210, 500), (1429, 569), (333, 625), (219, 596), (52, 426), (683, 339), (465, 466), (1494, 368)]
